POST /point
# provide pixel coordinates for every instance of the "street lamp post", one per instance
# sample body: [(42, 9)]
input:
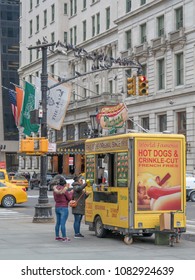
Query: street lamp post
[(94, 125), (43, 210)]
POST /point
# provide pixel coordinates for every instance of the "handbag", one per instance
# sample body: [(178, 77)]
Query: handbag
[(73, 203)]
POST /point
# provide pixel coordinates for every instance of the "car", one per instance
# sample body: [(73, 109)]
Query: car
[(55, 181), (19, 180), (10, 174), (4, 175), (11, 194), (190, 189), (35, 182)]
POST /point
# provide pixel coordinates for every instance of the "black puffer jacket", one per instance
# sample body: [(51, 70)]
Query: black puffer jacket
[(78, 190)]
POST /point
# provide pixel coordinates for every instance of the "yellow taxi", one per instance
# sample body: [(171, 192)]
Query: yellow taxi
[(19, 180), (4, 175), (11, 194)]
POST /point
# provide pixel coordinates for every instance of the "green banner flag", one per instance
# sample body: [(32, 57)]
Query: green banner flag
[(28, 106)]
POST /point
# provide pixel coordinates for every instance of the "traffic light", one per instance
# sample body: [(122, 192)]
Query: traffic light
[(142, 85), (34, 145), (131, 85), (43, 145), (27, 146)]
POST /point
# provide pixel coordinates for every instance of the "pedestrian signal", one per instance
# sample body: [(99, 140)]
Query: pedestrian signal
[(142, 85), (131, 85)]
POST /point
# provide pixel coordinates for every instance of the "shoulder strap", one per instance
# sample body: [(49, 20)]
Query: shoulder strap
[(80, 196)]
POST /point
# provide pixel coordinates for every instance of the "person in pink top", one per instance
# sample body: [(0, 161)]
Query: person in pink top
[(61, 197)]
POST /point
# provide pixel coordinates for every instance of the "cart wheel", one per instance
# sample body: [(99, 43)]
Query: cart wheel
[(128, 239), (100, 231)]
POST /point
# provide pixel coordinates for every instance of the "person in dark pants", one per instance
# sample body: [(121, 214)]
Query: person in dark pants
[(62, 197), (79, 210)]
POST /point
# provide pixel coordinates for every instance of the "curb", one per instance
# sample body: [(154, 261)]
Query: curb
[(188, 237)]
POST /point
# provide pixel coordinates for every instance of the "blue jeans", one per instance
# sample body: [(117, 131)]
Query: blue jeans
[(61, 218), (77, 223)]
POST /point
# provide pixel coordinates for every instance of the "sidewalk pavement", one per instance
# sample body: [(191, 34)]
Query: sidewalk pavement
[(22, 239)]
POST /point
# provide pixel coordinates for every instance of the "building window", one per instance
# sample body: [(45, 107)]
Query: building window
[(160, 22), (30, 54), (37, 53), (65, 8), (84, 30), (110, 87), (128, 73), (162, 122), (65, 37), (37, 2), (70, 131), (84, 4), (75, 6), (128, 39), (45, 18), (52, 67), (107, 18), (36, 162), (71, 7), (130, 123), (97, 88), (83, 128), (71, 36), (31, 4), (23, 162), (145, 123), (98, 23), (144, 70), (52, 136), (29, 162), (85, 65), (142, 2), (93, 26), (128, 6), (52, 13), (181, 117), (30, 28), (37, 23), (75, 35), (84, 92), (143, 33), (52, 39), (179, 18), (161, 74), (59, 135), (179, 69)]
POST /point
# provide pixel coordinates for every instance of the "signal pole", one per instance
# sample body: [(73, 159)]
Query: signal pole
[(43, 210)]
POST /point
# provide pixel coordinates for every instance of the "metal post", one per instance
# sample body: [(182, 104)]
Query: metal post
[(43, 210)]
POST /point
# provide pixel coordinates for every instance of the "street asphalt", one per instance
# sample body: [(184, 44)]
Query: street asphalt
[(21, 239)]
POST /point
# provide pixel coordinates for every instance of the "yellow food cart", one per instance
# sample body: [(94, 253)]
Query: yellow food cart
[(137, 184)]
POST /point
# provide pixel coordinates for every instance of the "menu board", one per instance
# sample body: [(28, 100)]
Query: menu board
[(90, 168), (122, 169)]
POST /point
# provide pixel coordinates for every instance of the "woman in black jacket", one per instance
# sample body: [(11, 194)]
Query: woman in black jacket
[(79, 210)]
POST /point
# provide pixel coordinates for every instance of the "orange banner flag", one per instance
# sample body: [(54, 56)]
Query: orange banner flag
[(19, 101)]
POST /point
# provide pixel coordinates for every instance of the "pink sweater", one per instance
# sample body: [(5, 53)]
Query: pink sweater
[(62, 200)]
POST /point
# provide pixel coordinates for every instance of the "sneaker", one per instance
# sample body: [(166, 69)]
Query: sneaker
[(65, 239), (58, 238), (78, 235)]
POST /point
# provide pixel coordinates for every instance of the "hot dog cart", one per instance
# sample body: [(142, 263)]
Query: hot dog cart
[(142, 187)]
